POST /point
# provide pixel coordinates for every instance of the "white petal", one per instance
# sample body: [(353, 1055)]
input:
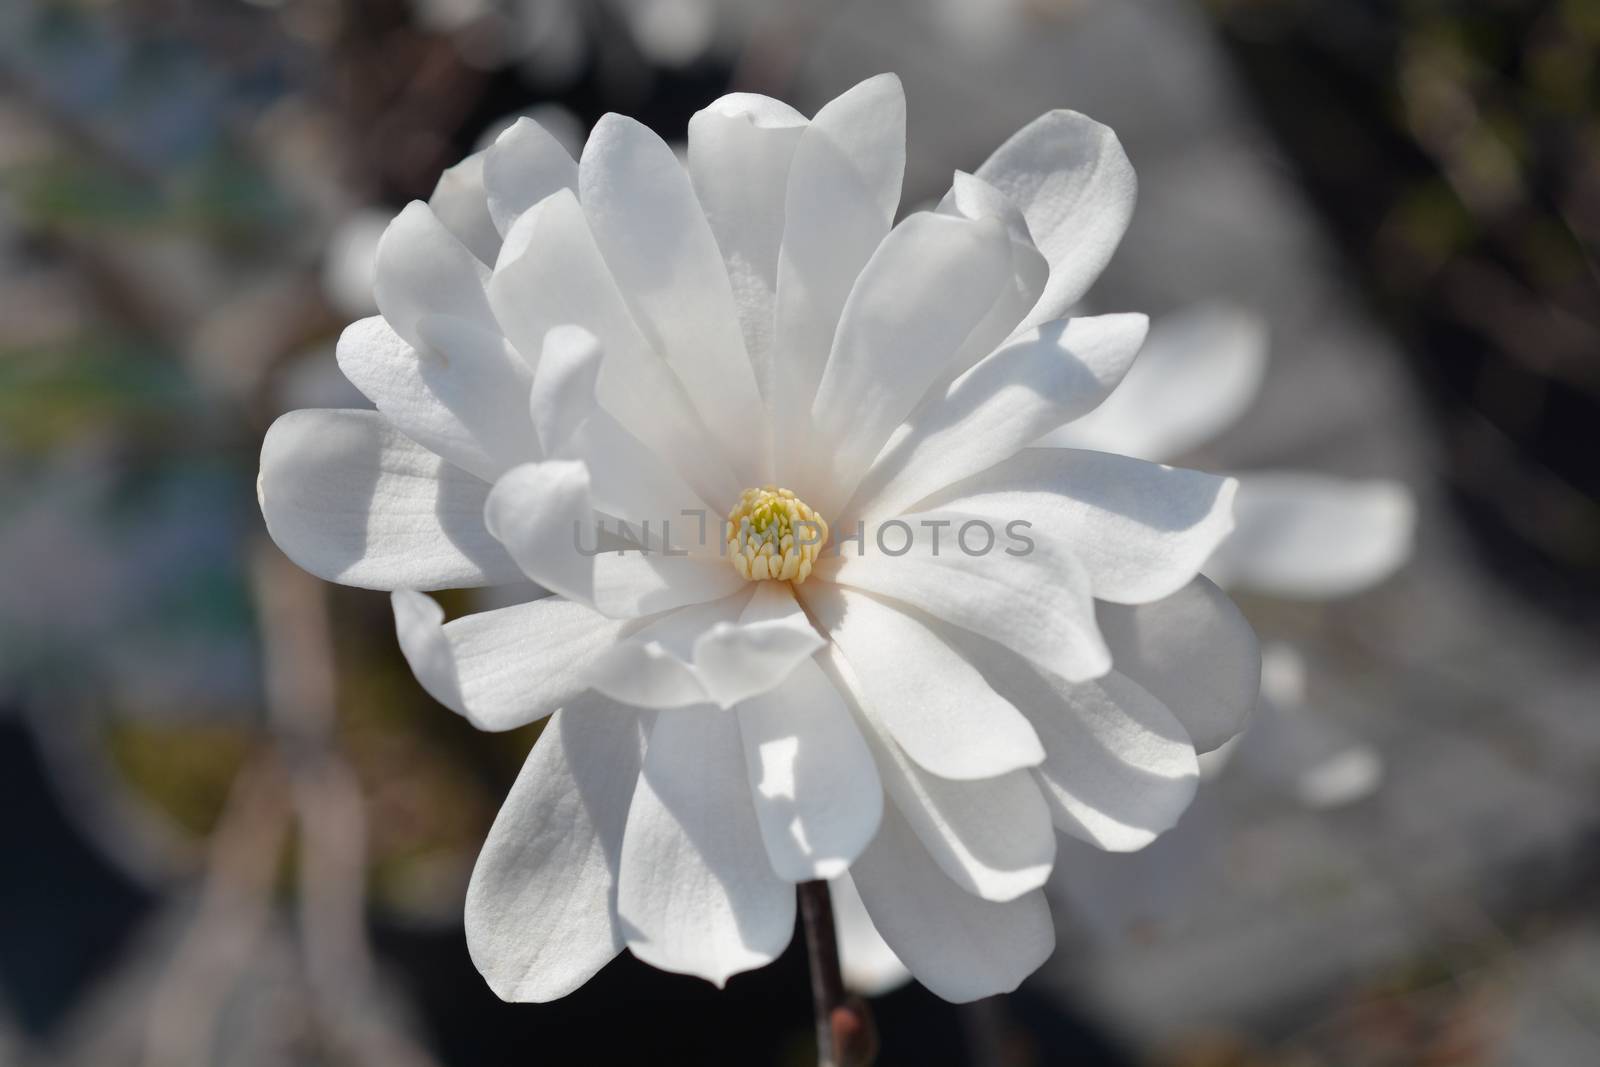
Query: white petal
[(1198, 372), (649, 227), (550, 274), (631, 584), (628, 479), (484, 383), (564, 399), (1119, 768), (1028, 591), (541, 907), (844, 186), (1194, 653), (503, 668), (870, 967), (740, 147), (459, 201), (709, 653), (930, 284), (421, 268), (353, 501), (1076, 188), (817, 793), (566, 128), (1311, 536), (973, 198), (524, 165), (697, 893), (935, 704), (992, 837), (540, 512), (1003, 404), (860, 143), (1142, 531), (544, 515), (960, 947), (644, 673), (771, 639), (464, 398)]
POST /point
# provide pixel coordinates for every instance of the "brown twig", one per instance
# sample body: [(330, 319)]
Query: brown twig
[(845, 1034)]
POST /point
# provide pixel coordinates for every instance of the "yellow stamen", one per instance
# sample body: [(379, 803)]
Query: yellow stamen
[(774, 534)]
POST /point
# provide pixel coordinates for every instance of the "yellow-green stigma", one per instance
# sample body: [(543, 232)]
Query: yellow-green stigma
[(774, 534)]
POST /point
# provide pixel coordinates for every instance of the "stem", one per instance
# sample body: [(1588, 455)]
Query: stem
[(822, 953)]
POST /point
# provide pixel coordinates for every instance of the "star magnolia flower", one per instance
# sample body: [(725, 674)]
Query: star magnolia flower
[(748, 336)]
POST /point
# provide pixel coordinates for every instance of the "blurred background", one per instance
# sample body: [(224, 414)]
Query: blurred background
[(236, 832)]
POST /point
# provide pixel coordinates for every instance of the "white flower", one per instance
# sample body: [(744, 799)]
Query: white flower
[(632, 338)]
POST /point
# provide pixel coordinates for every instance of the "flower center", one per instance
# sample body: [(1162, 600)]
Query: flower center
[(774, 534)]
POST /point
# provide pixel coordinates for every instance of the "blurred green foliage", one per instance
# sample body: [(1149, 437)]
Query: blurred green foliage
[(51, 395), (185, 771)]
